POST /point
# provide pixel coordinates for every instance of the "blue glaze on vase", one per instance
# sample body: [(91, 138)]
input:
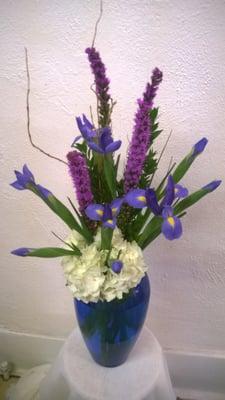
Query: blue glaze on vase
[(110, 329)]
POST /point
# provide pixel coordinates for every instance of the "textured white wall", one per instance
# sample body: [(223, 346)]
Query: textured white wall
[(186, 40)]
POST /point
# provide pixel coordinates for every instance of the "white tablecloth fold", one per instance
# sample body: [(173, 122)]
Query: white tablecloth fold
[(75, 376)]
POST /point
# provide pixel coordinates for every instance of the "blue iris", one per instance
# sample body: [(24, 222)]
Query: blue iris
[(100, 140), (25, 180), (86, 129), (22, 251), (105, 144), (106, 213), (140, 198)]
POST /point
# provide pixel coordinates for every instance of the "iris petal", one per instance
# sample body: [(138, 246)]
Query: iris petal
[(106, 138), (136, 198), (109, 223), (76, 139), (20, 178), (22, 251), (87, 122), (169, 196), (212, 185), (94, 212), (172, 228), (113, 146), (199, 147), (152, 202), (116, 205), (17, 186), (180, 191), (107, 214), (27, 173), (44, 192), (167, 212), (94, 146)]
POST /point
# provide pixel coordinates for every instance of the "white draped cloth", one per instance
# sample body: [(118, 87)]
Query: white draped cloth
[(75, 376)]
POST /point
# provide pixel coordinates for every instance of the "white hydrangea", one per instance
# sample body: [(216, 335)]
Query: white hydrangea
[(91, 280)]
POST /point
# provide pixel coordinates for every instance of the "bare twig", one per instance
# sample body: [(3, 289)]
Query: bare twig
[(28, 114), (97, 22)]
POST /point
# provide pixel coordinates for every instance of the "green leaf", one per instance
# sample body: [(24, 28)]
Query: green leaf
[(110, 176), (184, 165), (62, 211), (151, 231), (190, 200), (51, 252), (106, 238), (86, 232)]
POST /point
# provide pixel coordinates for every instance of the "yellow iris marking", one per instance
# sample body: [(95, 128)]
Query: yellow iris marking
[(110, 221), (171, 221), (99, 212), (142, 198), (114, 210)]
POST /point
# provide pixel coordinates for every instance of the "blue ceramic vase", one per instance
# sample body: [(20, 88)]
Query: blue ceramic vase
[(110, 329)]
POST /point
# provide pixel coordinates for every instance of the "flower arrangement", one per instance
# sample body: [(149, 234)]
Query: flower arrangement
[(117, 217)]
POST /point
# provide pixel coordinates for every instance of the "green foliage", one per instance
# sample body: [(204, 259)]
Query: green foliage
[(106, 238), (63, 212), (151, 161), (110, 176), (51, 252), (190, 200)]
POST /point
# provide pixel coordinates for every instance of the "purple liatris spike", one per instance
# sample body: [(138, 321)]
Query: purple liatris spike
[(81, 179), (141, 134), (101, 84)]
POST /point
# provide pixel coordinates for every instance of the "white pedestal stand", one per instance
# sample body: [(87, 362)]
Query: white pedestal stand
[(75, 376)]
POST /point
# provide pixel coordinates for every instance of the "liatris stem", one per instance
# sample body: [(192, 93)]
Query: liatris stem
[(81, 179), (141, 134), (101, 85)]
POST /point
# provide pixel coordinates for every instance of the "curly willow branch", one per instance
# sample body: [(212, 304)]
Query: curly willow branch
[(28, 114), (97, 22)]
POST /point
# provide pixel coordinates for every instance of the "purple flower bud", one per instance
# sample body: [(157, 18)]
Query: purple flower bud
[(141, 134), (212, 185), (81, 179), (43, 191), (199, 147), (23, 179), (22, 251), (116, 266), (101, 84)]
